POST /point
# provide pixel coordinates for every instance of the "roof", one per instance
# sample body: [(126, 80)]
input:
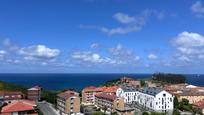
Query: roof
[(67, 94), (190, 93), (151, 90), (35, 88), (101, 89), (200, 104), (21, 105), (105, 96), (128, 89), (11, 93)]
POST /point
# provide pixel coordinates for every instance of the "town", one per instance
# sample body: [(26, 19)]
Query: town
[(125, 96)]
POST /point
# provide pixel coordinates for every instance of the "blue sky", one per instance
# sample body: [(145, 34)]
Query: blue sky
[(101, 36)]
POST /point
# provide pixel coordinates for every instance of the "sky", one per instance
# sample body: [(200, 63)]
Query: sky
[(102, 36)]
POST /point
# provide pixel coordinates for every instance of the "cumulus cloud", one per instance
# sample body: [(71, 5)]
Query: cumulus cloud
[(190, 46), (152, 56), (39, 52), (198, 9)]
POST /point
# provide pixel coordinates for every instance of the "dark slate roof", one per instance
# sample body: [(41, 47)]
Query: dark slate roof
[(151, 90), (128, 89)]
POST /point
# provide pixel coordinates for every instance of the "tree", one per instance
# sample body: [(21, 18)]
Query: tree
[(145, 113), (176, 103)]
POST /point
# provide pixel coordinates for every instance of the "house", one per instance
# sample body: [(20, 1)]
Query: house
[(109, 102), (20, 107), (129, 94), (34, 93), (68, 102), (10, 96)]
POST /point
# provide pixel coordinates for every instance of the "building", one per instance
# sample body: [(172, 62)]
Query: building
[(185, 91), (129, 94), (109, 102), (20, 107), (155, 99), (88, 93), (192, 96), (34, 93), (68, 102), (200, 106), (10, 96), (135, 83)]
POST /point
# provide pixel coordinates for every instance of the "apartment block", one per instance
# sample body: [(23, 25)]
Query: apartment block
[(34, 93), (68, 102), (10, 96), (109, 102)]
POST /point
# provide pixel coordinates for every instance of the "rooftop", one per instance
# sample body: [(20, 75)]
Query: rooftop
[(67, 94), (21, 105), (35, 88), (151, 90)]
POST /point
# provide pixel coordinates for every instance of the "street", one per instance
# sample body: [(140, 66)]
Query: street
[(47, 109)]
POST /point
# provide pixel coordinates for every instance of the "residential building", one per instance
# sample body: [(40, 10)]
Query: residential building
[(10, 96), (200, 105), (109, 102), (192, 96), (152, 98), (34, 93), (135, 83), (129, 94), (155, 99), (68, 102), (88, 93), (20, 107), (185, 91)]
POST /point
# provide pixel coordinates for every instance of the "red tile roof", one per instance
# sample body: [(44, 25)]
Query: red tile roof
[(67, 94), (110, 89), (21, 105)]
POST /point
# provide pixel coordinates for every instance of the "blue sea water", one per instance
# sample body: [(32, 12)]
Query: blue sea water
[(77, 81)]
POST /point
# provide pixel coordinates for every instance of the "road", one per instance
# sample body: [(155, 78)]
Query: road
[(47, 109)]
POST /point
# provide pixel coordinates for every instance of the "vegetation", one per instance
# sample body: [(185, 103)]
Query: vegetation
[(156, 113), (112, 82), (49, 96), (145, 113), (169, 78), (98, 113), (11, 87)]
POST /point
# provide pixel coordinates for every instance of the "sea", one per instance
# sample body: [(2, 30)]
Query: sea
[(78, 81)]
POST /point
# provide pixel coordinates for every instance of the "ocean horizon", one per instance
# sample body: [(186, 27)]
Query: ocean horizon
[(77, 81)]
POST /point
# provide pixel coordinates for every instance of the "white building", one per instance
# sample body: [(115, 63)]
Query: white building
[(152, 98), (129, 94)]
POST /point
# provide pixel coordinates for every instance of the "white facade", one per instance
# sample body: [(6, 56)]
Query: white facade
[(151, 98), (129, 96)]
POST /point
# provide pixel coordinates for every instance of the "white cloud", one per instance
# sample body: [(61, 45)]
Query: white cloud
[(189, 39), (190, 47), (198, 9), (127, 23), (2, 52), (91, 57), (152, 56), (124, 18), (39, 52), (125, 55)]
